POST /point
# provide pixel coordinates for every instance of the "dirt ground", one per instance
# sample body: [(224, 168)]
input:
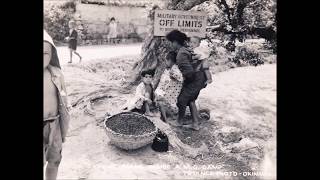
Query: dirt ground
[(239, 137)]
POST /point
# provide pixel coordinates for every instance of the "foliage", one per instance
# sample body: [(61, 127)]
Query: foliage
[(245, 56), (56, 19), (69, 6), (237, 19), (272, 45)]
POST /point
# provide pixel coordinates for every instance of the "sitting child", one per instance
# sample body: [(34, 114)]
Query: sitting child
[(200, 55), (169, 87), (144, 95)]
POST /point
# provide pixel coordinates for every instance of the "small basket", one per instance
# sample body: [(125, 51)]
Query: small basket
[(160, 142), (129, 142)]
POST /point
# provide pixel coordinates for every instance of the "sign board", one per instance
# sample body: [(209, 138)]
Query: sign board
[(193, 23)]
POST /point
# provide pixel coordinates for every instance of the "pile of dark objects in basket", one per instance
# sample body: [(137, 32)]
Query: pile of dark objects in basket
[(130, 125)]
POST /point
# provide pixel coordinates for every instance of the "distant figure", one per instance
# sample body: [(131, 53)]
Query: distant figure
[(112, 30), (72, 40)]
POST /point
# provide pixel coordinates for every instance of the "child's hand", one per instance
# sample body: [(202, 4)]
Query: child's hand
[(196, 56), (159, 98)]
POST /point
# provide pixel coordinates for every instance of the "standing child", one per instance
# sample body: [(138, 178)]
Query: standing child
[(73, 40), (55, 113), (112, 30), (193, 81), (144, 96), (169, 87), (199, 57)]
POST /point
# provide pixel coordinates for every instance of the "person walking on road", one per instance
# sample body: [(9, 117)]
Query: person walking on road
[(72, 40)]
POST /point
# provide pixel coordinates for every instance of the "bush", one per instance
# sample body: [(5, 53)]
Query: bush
[(69, 6), (230, 46), (245, 56), (56, 20), (272, 45)]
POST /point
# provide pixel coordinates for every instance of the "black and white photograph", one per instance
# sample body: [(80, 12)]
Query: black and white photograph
[(160, 89)]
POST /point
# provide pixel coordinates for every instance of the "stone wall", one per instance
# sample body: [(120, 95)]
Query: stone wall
[(132, 21)]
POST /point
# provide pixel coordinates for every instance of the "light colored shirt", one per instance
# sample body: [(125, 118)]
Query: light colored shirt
[(113, 30), (139, 98), (202, 51)]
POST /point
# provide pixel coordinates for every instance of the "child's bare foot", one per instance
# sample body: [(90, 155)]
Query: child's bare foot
[(177, 123), (163, 119)]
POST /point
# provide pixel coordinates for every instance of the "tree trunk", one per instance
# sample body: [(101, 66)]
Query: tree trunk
[(155, 48)]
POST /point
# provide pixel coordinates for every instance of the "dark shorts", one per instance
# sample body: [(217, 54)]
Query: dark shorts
[(190, 91), (72, 44), (52, 141)]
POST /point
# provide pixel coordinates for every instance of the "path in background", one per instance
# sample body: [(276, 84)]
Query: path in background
[(99, 52), (110, 51)]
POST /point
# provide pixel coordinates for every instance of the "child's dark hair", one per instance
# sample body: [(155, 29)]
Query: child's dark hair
[(177, 36), (172, 56), (112, 19), (149, 72)]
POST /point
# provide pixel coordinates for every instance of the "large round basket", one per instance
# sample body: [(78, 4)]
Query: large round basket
[(128, 141)]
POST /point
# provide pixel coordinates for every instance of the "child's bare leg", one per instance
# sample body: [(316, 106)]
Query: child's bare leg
[(78, 55), (195, 115), (147, 108), (182, 105), (52, 170), (70, 55), (163, 112)]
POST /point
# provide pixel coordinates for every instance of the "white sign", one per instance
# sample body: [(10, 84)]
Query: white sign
[(193, 23)]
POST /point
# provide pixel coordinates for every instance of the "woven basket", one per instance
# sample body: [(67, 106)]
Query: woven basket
[(129, 142)]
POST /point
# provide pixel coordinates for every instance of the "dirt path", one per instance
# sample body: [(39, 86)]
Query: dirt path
[(243, 98), (89, 53)]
